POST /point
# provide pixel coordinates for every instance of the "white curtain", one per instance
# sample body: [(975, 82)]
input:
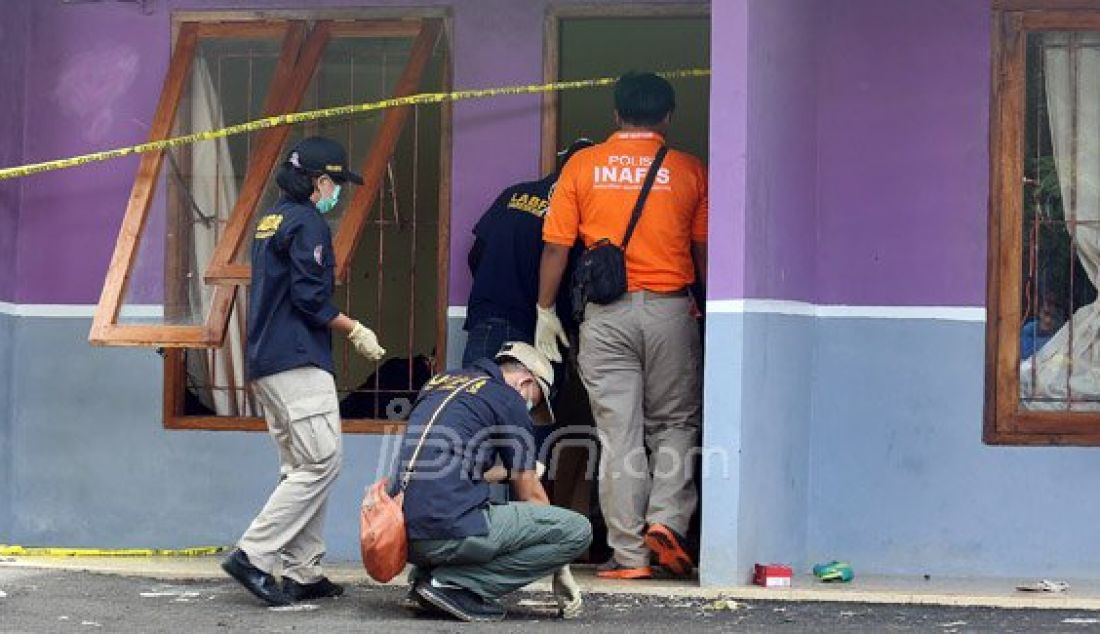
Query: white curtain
[(214, 192), (1067, 368)]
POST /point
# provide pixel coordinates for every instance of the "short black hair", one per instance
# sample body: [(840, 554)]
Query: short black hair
[(295, 182), (643, 98)]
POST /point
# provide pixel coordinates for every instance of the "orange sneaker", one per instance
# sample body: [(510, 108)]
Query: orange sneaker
[(614, 570), (669, 549)]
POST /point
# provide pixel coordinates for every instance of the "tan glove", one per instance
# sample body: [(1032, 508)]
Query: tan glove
[(365, 342), (548, 332), (567, 593)]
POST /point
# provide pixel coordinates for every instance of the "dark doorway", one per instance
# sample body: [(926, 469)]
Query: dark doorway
[(585, 42)]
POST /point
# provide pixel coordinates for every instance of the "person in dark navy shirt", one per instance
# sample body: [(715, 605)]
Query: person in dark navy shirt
[(504, 262), (290, 319), (469, 552)]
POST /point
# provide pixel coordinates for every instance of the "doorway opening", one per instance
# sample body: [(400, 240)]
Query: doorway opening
[(604, 41)]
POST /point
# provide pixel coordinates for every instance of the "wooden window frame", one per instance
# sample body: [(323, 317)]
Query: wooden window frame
[(1005, 422), (295, 52), (286, 91), (427, 26), (224, 270), (105, 327), (551, 54)]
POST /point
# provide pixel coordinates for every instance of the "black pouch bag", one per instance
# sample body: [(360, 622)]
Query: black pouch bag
[(600, 276)]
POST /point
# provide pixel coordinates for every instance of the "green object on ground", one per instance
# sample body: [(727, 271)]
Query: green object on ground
[(834, 571)]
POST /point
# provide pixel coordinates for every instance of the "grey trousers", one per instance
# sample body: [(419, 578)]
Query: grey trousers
[(641, 360), (525, 542), (303, 417)]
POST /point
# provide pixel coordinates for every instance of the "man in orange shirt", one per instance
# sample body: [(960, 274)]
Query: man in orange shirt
[(640, 356)]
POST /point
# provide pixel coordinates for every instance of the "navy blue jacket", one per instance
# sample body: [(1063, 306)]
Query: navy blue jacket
[(506, 257), (290, 301), (446, 496)]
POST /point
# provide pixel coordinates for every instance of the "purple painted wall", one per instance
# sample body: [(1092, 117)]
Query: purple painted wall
[(729, 99), (863, 153), (13, 49), (903, 152), (782, 149), (496, 142), (95, 73)]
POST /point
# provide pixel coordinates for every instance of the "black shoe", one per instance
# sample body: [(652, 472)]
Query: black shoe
[(460, 603), (415, 603), (323, 589), (253, 579)]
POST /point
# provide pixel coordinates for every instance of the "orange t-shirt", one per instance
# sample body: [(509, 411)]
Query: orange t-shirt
[(595, 196)]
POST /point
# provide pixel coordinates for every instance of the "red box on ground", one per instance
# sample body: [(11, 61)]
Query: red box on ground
[(772, 575)]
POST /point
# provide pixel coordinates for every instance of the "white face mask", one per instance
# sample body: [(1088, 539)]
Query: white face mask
[(530, 405)]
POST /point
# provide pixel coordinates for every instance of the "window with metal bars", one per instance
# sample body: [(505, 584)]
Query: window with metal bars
[(1043, 325), (184, 260)]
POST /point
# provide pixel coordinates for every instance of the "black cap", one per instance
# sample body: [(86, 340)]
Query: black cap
[(320, 155)]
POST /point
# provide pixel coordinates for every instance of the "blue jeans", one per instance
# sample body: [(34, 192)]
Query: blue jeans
[(485, 339)]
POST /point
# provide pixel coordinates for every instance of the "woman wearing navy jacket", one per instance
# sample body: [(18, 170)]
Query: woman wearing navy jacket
[(290, 321)]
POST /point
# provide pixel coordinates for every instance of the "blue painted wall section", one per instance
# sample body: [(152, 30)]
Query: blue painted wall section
[(900, 481), (775, 440), (721, 488), (456, 342), (92, 465), (7, 326), (756, 443)]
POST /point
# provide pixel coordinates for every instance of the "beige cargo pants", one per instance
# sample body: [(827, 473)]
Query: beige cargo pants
[(641, 360), (303, 417)]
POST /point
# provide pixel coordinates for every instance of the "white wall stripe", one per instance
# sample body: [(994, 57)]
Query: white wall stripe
[(720, 306), (87, 311), (769, 306), (951, 313), (841, 311)]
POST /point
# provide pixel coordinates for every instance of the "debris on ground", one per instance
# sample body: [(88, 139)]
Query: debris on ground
[(1080, 621), (178, 594), (724, 604), (1044, 585), (953, 624), (297, 607), (3, 595), (538, 605)]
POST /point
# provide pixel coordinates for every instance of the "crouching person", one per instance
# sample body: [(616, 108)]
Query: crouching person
[(469, 553)]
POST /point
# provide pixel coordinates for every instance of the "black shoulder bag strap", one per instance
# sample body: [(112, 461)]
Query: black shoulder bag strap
[(405, 477), (650, 176)]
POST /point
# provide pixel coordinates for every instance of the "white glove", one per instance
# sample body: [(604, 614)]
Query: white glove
[(567, 593), (365, 342), (548, 332)]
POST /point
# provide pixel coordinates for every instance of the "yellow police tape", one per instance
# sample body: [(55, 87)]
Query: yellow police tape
[(324, 113), (35, 551)]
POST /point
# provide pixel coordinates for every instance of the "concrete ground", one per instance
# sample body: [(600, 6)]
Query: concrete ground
[(191, 594)]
